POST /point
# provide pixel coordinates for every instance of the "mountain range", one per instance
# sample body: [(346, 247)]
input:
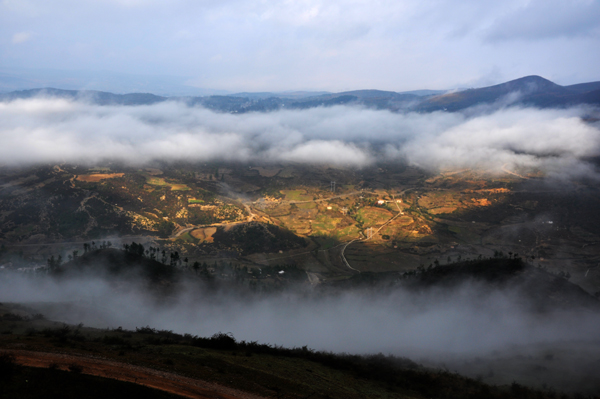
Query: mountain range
[(527, 91)]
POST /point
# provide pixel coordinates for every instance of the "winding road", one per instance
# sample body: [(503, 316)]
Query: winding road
[(376, 231)]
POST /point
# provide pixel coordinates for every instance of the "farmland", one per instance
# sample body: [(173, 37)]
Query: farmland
[(398, 217)]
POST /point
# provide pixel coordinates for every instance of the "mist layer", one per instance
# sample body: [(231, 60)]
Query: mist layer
[(48, 130)]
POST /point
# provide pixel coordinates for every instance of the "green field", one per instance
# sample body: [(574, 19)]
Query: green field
[(156, 181), (179, 187), (160, 181), (324, 224), (308, 205), (296, 195), (187, 237), (371, 216), (348, 233)]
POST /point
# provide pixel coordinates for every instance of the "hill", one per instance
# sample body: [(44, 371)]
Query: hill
[(129, 263), (216, 366), (526, 91), (93, 96), (539, 289), (255, 237)]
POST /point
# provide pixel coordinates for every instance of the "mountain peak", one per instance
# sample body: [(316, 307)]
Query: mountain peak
[(527, 84)]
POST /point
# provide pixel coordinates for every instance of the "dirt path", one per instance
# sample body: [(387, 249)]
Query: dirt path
[(513, 173), (151, 378), (372, 235)]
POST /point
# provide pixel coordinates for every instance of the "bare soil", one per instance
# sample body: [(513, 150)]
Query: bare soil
[(168, 382), (98, 176)]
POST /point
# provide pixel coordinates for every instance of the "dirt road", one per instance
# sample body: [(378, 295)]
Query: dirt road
[(151, 378), (373, 235)]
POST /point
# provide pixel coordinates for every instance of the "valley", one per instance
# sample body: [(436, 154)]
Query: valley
[(328, 221)]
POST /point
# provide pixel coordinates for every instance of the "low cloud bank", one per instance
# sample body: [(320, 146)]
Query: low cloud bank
[(43, 130), (471, 320)]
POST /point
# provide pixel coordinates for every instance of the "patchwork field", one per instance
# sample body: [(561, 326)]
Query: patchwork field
[(96, 177), (296, 195), (204, 235), (461, 212), (371, 216)]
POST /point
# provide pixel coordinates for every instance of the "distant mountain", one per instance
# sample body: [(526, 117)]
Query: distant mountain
[(284, 94), (12, 79), (96, 97), (527, 91), (423, 93), (584, 87)]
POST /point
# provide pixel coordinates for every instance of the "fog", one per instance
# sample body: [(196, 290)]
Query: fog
[(470, 320), (47, 130)]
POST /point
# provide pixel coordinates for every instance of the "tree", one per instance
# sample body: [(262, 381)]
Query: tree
[(174, 258), (165, 228), (54, 263)]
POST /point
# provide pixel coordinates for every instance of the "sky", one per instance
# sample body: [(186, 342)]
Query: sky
[(334, 45)]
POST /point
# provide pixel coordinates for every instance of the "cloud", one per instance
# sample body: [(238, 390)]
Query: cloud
[(21, 37), (43, 130), (551, 140), (310, 44), (547, 20)]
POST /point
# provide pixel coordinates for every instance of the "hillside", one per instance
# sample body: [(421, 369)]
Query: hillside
[(125, 264), (529, 91), (538, 289), (217, 365)]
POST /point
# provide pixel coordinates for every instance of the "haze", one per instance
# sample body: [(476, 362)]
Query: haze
[(470, 319)]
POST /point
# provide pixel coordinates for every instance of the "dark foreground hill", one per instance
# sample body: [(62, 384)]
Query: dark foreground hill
[(259, 369), (122, 263), (20, 382)]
